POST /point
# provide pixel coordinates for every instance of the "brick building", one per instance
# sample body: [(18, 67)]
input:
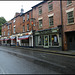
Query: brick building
[(49, 24), (68, 9)]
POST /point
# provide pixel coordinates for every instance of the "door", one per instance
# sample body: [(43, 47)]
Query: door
[(46, 41), (71, 42)]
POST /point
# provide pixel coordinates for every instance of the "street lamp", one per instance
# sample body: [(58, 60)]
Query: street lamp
[(32, 22)]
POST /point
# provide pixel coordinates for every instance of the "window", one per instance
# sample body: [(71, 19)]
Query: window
[(40, 10), (14, 30), (51, 20), (70, 17), (27, 27), (23, 18), (50, 7), (69, 2), (23, 28), (54, 40), (40, 23), (39, 40), (28, 16), (4, 33), (14, 21), (8, 26), (8, 33)]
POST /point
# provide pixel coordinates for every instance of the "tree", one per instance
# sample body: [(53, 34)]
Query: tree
[(2, 21)]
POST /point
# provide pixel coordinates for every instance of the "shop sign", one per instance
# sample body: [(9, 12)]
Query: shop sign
[(54, 30)]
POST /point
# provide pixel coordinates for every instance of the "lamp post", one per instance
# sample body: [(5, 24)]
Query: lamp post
[(32, 22)]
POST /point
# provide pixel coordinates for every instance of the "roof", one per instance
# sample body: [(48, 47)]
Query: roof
[(39, 3)]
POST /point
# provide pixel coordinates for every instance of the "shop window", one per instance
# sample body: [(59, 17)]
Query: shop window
[(51, 21), (70, 17), (40, 23), (39, 40), (54, 39)]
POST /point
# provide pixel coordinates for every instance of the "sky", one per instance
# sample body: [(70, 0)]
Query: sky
[(9, 8)]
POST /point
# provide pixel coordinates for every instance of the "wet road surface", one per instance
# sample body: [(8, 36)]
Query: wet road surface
[(13, 64)]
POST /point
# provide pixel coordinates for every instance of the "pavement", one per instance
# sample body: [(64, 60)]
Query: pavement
[(69, 52)]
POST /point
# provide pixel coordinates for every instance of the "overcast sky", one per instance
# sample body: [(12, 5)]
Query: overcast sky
[(9, 8)]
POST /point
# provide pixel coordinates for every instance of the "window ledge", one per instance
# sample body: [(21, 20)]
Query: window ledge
[(70, 23), (51, 26), (50, 11), (40, 27), (69, 4)]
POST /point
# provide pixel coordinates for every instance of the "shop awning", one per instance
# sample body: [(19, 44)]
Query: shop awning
[(1, 39), (7, 39), (24, 37), (12, 38)]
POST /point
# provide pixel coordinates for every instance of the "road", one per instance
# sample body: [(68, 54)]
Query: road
[(13, 64)]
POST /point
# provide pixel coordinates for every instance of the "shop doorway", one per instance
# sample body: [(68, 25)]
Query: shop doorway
[(46, 41), (71, 41)]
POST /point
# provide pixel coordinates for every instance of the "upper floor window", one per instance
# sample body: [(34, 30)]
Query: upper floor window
[(40, 10), (23, 28), (8, 26), (27, 27), (4, 26), (40, 23), (4, 33), (23, 18), (8, 33), (70, 17), (28, 16), (14, 30), (50, 7), (69, 2), (51, 21)]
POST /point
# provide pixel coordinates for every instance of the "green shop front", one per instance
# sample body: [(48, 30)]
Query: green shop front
[(49, 38)]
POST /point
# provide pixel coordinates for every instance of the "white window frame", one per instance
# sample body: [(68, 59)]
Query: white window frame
[(14, 30)]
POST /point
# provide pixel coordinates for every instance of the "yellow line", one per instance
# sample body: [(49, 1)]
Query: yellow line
[(55, 53)]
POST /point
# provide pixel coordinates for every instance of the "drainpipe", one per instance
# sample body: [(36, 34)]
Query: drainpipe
[(61, 11)]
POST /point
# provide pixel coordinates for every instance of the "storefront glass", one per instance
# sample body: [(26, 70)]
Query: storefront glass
[(39, 40), (47, 40)]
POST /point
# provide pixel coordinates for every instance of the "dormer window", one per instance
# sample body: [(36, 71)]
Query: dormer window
[(14, 21)]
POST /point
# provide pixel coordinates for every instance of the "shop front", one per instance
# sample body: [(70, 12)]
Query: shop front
[(48, 38), (8, 41), (26, 40), (13, 41)]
